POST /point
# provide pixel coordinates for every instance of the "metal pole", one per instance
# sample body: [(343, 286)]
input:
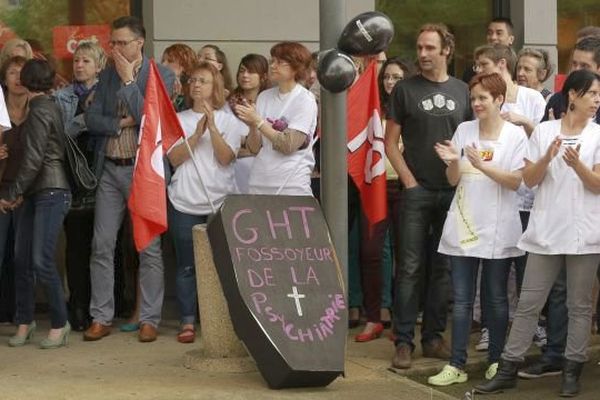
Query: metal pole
[(334, 175)]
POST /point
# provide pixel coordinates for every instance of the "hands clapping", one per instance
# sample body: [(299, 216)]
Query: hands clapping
[(571, 155), (473, 156), (247, 113), (553, 149), (446, 151)]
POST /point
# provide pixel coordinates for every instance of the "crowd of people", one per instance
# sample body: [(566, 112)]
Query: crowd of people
[(495, 179), (254, 136), (485, 176)]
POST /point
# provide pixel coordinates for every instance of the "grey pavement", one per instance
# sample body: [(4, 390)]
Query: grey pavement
[(118, 367)]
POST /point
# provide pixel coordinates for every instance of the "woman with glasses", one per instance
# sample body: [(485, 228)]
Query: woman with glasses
[(282, 126), (375, 268), (394, 69), (214, 135), (252, 79), (214, 55)]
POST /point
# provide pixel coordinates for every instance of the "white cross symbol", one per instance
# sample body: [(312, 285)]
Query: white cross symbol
[(297, 298)]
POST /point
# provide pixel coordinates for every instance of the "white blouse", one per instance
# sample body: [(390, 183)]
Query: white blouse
[(483, 220), (565, 218)]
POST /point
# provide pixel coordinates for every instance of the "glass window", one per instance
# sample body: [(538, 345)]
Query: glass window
[(467, 19), (572, 16), (53, 27)]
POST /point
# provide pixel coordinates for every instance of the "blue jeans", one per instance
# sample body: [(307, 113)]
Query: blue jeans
[(494, 279), (41, 220), (421, 210), (5, 222), (180, 226)]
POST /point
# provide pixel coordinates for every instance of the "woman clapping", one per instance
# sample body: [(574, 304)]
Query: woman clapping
[(484, 158)]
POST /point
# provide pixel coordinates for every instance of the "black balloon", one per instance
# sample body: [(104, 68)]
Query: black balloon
[(336, 71), (367, 34)]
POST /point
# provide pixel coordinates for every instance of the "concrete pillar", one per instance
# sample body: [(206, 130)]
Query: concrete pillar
[(536, 25), (220, 348)]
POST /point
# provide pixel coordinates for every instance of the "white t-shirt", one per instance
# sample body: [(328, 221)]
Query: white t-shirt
[(530, 104), (185, 191), (483, 220), (565, 217), (242, 168), (4, 118), (272, 169)]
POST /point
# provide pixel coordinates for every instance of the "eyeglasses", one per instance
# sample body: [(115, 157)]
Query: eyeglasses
[(277, 61), (480, 66), (207, 59), (120, 43), (201, 81)]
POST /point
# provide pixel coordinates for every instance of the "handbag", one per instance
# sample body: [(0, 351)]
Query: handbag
[(81, 176)]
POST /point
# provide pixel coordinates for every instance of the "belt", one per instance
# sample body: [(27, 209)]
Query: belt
[(122, 162)]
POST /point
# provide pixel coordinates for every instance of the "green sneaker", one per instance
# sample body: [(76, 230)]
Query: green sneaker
[(448, 376), (491, 371)]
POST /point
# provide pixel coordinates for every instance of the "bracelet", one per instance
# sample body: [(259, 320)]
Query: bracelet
[(261, 123)]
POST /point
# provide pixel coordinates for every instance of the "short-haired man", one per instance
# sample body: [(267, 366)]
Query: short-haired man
[(424, 109), (499, 31), (116, 114), (586, 55)]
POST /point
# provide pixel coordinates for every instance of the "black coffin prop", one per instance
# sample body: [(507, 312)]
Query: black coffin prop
[(283, 286)]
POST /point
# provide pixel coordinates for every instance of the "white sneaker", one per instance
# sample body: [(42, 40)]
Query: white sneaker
[(448, 376), (484, 340), (539, 337), (490, 373)]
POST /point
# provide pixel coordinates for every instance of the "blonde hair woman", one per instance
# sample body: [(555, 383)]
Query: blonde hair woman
[(15, 47)]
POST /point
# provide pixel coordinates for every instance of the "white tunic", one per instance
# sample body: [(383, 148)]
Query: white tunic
[(185, 191), (483, 220), (272, 169), (530, 104), (565, 218)]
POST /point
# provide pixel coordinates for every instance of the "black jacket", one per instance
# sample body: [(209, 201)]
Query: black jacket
[(43, 163)]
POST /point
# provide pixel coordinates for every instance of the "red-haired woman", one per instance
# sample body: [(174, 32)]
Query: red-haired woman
[(252, 78), (180, 58), (282, 126), (485, 159)]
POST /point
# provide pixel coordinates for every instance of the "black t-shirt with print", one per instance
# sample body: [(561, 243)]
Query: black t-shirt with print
[(428, 112)]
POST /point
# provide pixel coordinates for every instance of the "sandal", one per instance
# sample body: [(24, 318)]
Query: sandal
[(186, 335)]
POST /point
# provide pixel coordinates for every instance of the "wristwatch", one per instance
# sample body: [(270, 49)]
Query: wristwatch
[(129, 82)]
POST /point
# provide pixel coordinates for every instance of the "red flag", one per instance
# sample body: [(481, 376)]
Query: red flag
[(366, 162), (159, 130)]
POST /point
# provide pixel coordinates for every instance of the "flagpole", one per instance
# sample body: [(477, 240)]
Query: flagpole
[(197, 168)]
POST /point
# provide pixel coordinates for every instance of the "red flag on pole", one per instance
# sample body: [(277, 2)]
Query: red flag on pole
[(159, 130), (366, 163)]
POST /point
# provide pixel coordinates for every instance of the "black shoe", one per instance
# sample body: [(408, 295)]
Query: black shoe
[(540, 369), (79, 319), (506, 378), (569, 386)]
